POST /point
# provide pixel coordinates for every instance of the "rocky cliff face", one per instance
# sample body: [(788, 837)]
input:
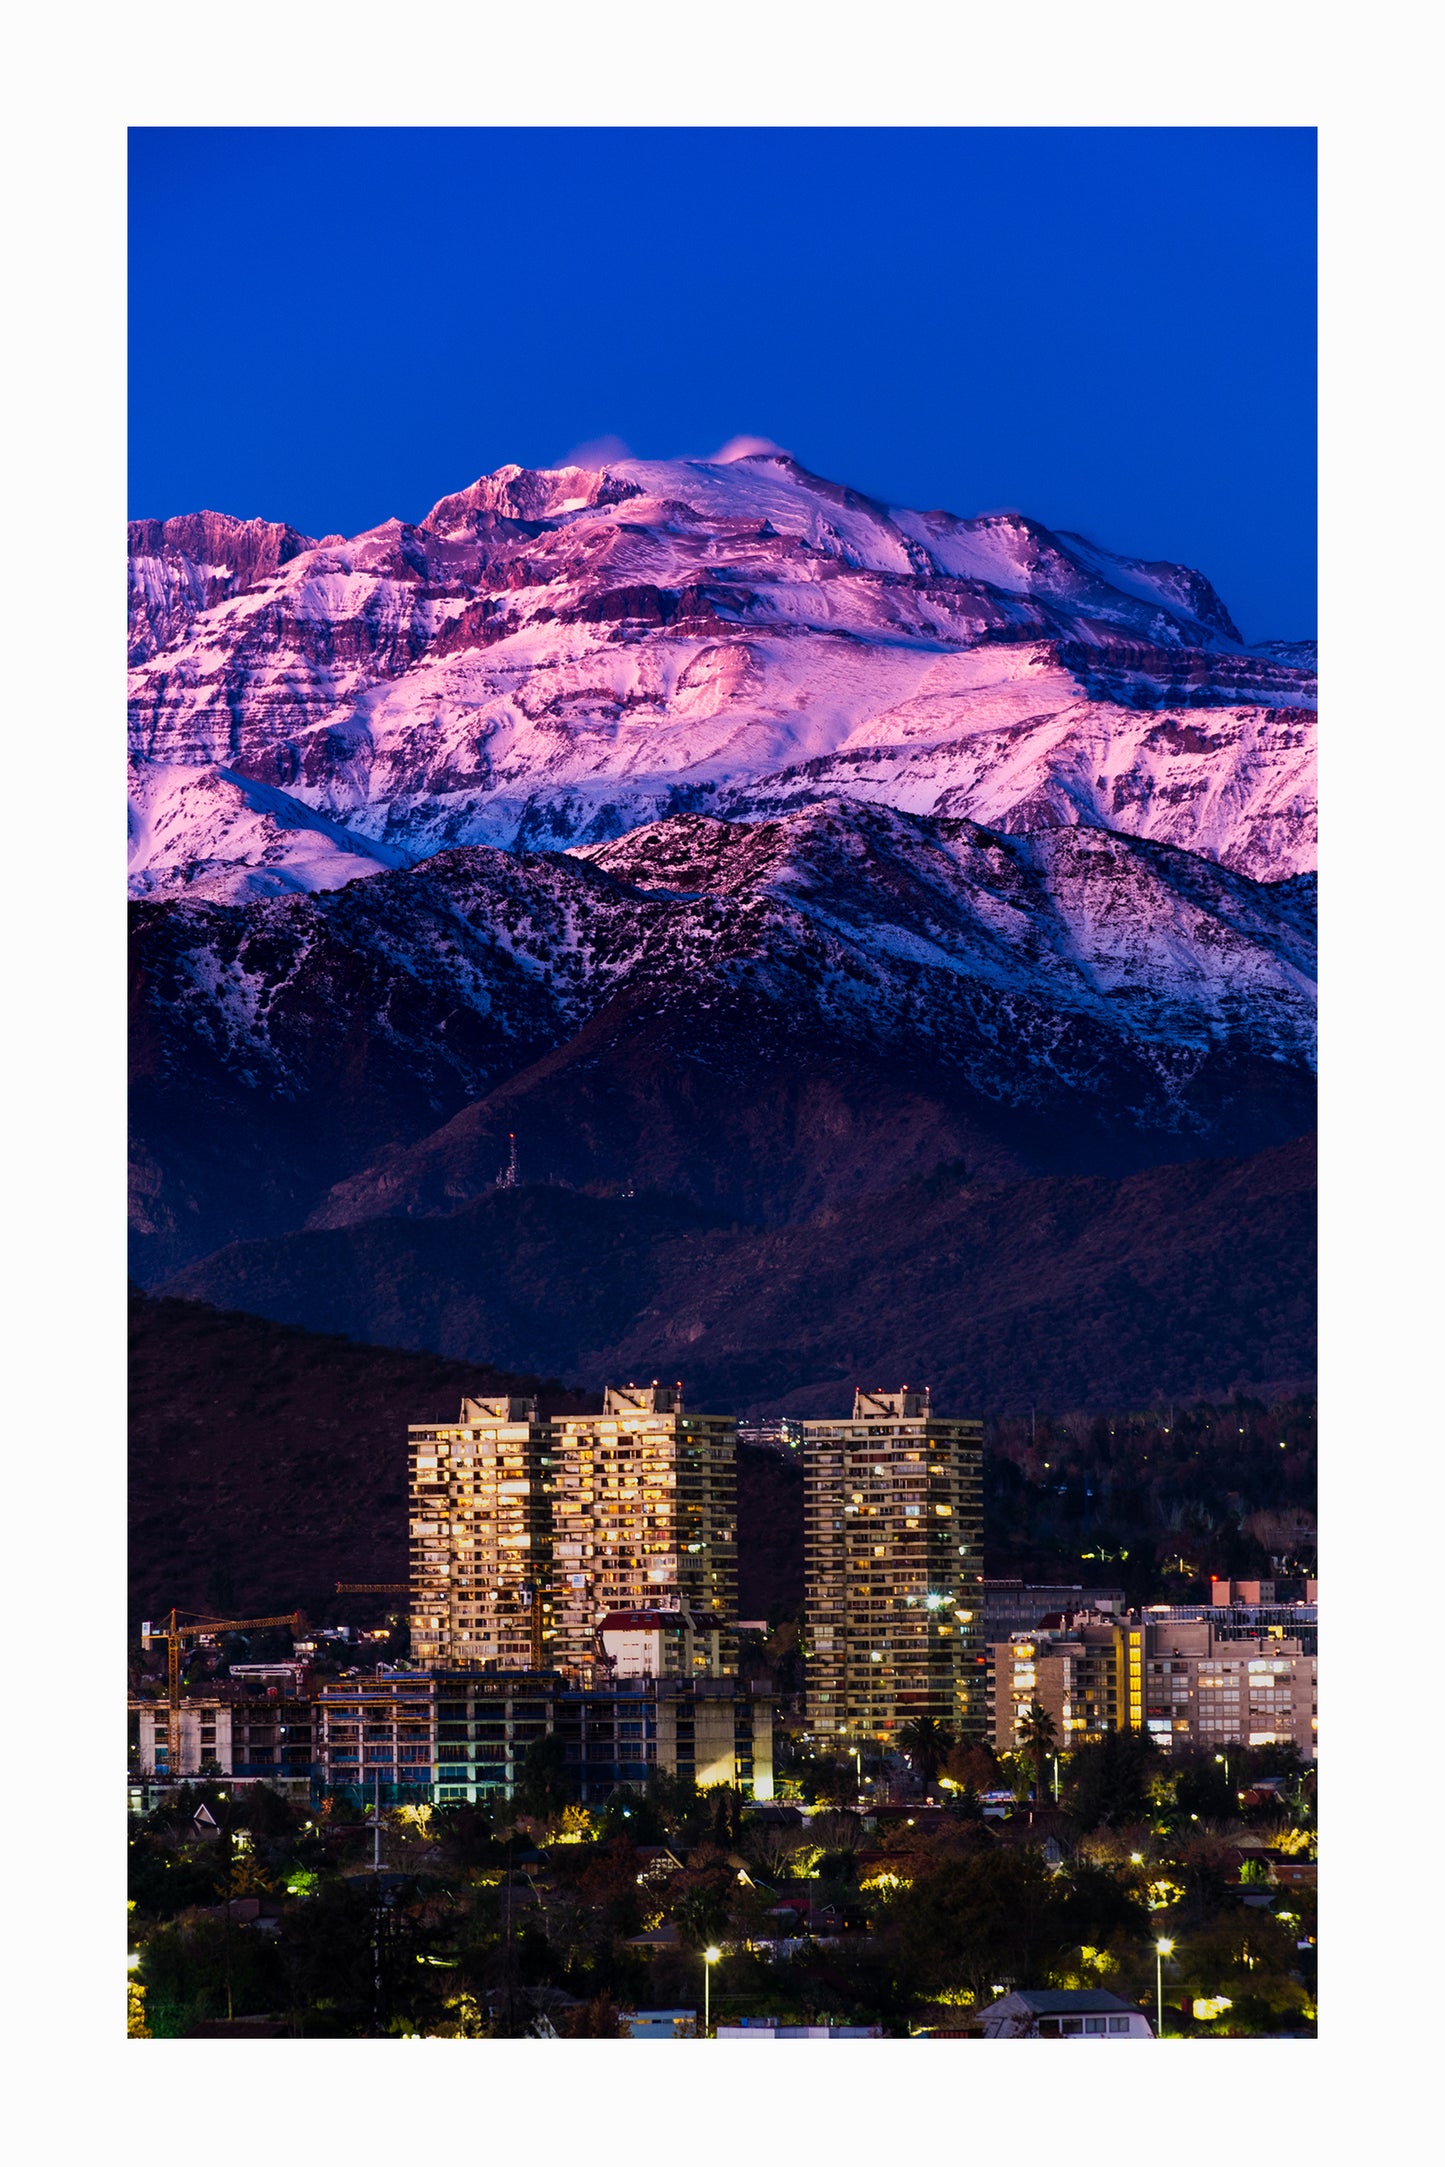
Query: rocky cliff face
[(556, 658)]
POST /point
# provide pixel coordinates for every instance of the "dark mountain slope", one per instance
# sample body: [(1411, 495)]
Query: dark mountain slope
[(766, 1020), (1065, 1291), (268, 1463)]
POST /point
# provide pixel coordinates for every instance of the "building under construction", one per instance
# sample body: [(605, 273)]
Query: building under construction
[(413, 1736)]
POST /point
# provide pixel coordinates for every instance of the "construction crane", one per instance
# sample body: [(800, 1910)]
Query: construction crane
[(531, 1595), (173, 1633)]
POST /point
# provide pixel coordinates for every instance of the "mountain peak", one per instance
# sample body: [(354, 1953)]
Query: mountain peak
[(554, 656)]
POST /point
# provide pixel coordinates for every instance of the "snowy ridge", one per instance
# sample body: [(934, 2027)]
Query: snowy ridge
[(555, 658), (210, 832)]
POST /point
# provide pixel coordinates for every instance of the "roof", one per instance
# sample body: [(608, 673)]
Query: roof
[(240, 2028), (641, 1621), (1061, 2002)]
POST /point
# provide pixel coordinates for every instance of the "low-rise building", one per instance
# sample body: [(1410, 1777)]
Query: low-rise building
[(1082, 2013), (658, 2023), (655, 1643), (1191, 1683), (1079, 1672), (770, 2028), (1205, 1688), (1227, 1594), (1289, 1620), (771, 1433)]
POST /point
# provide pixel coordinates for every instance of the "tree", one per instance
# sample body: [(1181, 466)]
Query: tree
[(1036, 1735), (595, 2019), (1099, 1906), (927, 1742), (972, 1767), (727, 1814), (466, 1836), (978, 1919), (1205, 1787), (1251, 1957), (698, 1901), (832, 1779), (678, 1805), (200, 1968), (772, 1850), (1108, 1781), (546, 1785)]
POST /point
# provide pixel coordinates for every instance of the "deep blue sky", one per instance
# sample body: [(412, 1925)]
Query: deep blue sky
[(1110, 329)]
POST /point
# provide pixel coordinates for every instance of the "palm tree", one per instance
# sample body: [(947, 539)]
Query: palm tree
[(928, 1743), (1036, 1734)]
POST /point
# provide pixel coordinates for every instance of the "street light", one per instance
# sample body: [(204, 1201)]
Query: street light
[(1162, 1948), (709, 1958)]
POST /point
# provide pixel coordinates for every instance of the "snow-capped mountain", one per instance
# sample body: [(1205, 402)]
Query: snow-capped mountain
[(766, 1018), (556, 658), (737, 869)]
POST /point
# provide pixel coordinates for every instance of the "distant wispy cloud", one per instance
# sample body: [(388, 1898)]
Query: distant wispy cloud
[(742, 447), (597, 452)]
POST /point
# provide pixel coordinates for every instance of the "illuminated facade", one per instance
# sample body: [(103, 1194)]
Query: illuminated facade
[(1087, 1676), (894, 1570), (1188, 1684), (644, 1519), (481, 1536)]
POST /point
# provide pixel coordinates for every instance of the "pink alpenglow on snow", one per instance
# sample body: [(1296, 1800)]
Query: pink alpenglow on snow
[(552, 658)]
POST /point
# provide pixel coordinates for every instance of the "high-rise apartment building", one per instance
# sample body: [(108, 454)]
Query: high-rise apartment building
[(481, 1528), (893, 1503), (644, 1519)]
